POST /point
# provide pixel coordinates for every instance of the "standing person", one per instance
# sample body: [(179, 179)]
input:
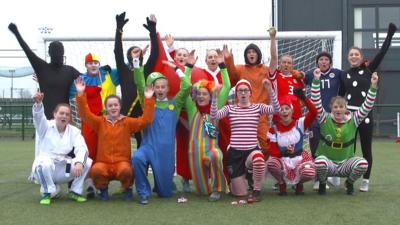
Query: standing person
[(54, 78), (289, 162), (356, 84), (285, 79), (331, 82), (100, 82), (244, 154), (254, 72), (56, 138), (335, 152), (205, 157), (114, 139), (130, 99), (158, 146)]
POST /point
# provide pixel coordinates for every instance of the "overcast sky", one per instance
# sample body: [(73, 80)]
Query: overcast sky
[(80, 18)]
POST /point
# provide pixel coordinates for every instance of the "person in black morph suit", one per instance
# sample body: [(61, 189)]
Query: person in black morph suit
[(130, 99), (356, 82), (54, 78)]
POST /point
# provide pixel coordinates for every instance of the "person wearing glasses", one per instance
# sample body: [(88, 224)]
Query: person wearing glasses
[(245, 157)]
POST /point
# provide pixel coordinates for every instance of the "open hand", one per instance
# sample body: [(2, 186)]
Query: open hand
[(149, 91), (169, 40), (79, 85), (121, 21), (267, 84), (220, 56), (226, 52), (169, 63), (151, 23), (191, 58)]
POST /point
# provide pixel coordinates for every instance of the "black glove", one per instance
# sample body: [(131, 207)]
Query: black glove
[(106, 68), (121, 21), (13, 28), (392, 29), (150, 26), (299, 93)]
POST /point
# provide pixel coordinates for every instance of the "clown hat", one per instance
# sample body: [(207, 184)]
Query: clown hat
[(91, 57)]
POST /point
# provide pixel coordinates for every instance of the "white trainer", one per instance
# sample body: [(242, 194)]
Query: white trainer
[(334, 181), (364, 185)]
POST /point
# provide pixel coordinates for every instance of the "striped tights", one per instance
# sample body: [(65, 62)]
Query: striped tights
[(352, 168)]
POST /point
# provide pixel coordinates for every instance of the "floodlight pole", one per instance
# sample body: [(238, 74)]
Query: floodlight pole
[(12, 71)]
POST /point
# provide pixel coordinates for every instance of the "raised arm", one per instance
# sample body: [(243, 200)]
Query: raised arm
[(382, 51), (273, 64), (268, 109), (83, 109), (35, 61), (226, 83), (316, 96), (118, 50), (137, 124), (214, 112), (155, 49), (169, 40), (368, 103), (230, 64), (184, 88), (39, 119), (312, 111)]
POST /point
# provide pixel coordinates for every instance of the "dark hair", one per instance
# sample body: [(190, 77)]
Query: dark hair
[(256, 49), (59, 105), (112, 96), (358, 49), (321, 54)]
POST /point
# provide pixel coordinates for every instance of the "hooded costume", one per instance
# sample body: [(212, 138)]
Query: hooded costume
[(255, 74), (54, 78)]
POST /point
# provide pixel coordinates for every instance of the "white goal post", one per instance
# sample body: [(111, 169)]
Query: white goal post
[(302, 45)]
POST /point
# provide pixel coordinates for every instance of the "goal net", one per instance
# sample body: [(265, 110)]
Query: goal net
[(303, 46)]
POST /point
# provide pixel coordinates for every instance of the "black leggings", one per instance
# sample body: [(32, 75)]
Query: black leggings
[(314, 137), (365, 130)]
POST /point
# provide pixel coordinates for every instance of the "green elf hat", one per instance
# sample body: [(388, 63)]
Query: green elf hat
[(153, 77)]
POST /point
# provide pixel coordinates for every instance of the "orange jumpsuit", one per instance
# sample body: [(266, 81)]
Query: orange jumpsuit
[(114, 143)]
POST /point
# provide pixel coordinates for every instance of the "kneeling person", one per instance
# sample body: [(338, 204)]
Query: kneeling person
[(52, 164)]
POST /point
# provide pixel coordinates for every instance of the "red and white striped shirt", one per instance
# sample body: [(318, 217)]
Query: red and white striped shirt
[(244, 121)]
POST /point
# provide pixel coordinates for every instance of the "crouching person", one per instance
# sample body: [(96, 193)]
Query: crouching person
[(335, 152), (113, 157), (52, 165)]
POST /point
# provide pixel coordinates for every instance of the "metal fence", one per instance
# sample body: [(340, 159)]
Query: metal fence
[(16, 121)]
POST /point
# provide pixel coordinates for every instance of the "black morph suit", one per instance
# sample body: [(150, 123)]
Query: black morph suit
[(357, 81), (130, 99), (54, 78)]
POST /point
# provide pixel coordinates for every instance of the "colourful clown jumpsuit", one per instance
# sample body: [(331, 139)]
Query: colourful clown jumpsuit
[(158, 144), (97, 89), (205, 157)]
